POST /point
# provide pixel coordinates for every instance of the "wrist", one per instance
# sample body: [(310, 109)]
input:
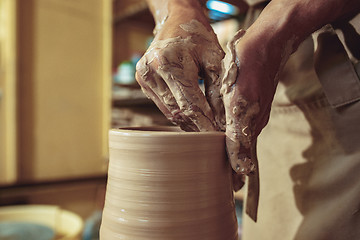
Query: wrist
[(187, 9), (277, 27), (287, 21), (177, 12)]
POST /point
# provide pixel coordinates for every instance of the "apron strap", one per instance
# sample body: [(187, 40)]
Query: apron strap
[(337, 74)]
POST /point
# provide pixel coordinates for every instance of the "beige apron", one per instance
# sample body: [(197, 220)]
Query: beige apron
[(309, 153)]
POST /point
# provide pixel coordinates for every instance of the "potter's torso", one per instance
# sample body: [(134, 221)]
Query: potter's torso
[(309, 156)]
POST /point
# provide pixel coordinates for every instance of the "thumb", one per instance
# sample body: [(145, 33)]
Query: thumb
[(240, 157), (239, 113)]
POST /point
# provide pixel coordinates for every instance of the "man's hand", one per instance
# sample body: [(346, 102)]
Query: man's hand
[(248, 86), (184, 49), (255, 60)]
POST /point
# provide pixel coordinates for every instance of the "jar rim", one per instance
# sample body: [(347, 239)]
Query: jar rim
[(161, 130)]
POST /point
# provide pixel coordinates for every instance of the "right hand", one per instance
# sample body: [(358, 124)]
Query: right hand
[(184, 50)]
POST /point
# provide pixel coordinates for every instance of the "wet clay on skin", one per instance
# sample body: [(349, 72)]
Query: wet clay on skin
[(239, 112), (173, 86), (160, 17), (169, 76), (212, 90)]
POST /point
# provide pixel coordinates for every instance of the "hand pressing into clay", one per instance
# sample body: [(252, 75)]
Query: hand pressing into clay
[(249, 81), (184, 50)]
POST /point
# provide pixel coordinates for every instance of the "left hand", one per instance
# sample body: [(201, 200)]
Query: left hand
[(249, 81)]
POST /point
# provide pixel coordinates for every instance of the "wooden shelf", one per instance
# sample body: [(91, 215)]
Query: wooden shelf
[(134, 85), (131, 102), (128, 95)]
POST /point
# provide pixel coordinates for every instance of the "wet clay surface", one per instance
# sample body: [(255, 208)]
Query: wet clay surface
[(168, 185)]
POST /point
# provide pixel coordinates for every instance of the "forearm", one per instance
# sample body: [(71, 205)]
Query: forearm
[(177, 11), (295, 20)]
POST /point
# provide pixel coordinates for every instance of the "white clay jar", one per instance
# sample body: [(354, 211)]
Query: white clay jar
[(165, 184)]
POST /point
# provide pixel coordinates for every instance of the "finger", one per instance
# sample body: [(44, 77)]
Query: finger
[(239, 114), (238, 136), (149, 66), (211, 62), (155, 89), (238, 181), (240, 130), (182, 79), (213, 96), (240, 157)]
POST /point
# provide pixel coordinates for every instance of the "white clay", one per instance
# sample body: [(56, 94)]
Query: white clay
[(164, 184)]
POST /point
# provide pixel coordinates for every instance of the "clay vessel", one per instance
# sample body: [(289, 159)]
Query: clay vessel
[(167, 184)]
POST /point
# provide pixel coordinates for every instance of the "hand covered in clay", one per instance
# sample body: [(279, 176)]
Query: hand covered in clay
[(248, 85), (184, 50), (257, 57)]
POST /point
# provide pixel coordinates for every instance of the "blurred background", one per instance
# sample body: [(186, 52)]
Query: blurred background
[(66, 77)]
